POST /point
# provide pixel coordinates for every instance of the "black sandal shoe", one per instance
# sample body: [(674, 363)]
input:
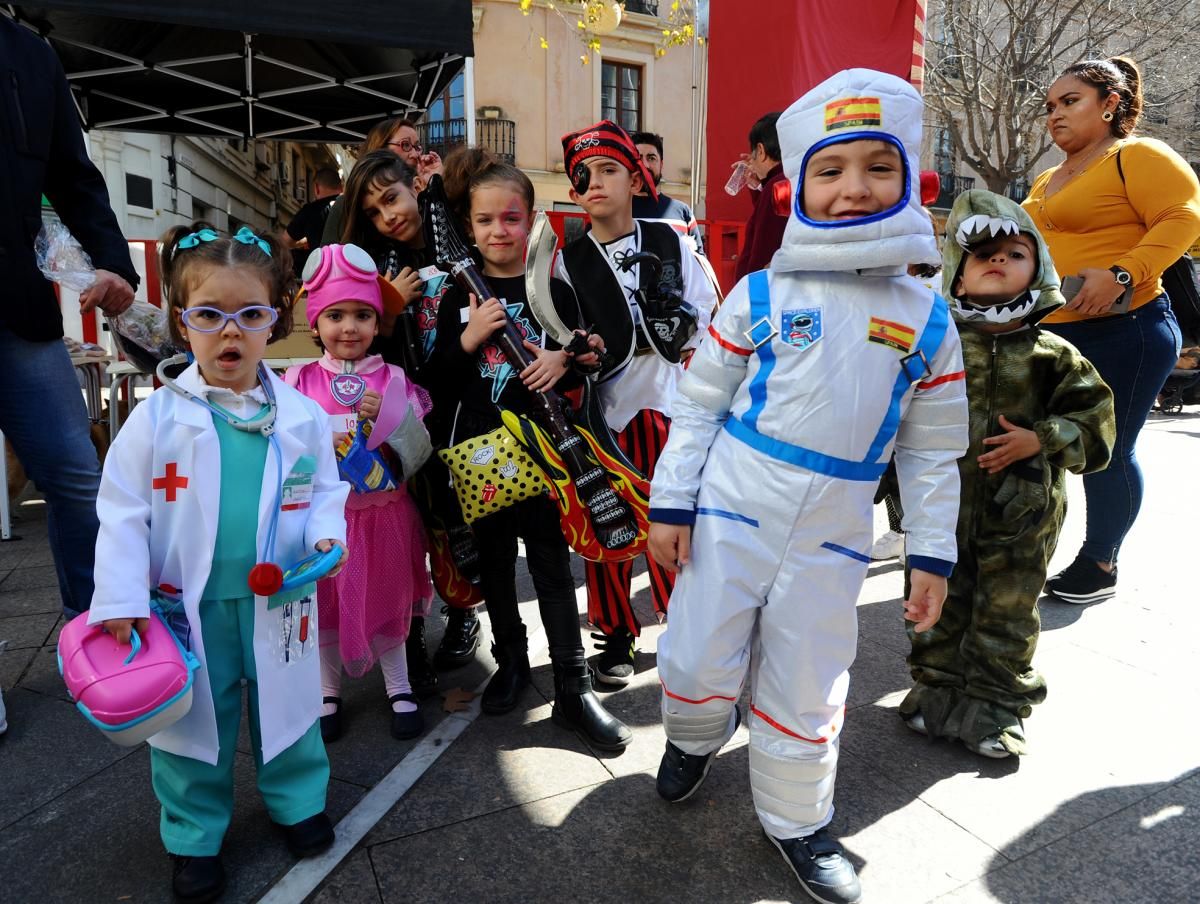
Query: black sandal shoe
[(331, 725), (406, 726)]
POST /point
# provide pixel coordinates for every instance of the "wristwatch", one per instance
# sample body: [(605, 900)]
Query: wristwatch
[(1121, 275)]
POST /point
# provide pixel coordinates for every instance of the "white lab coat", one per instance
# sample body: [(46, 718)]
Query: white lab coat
[(146, 542)]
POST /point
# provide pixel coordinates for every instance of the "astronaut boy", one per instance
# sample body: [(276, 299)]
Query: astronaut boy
[(814, 371)]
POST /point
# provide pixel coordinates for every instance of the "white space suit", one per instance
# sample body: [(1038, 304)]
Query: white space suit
[(812, 373)]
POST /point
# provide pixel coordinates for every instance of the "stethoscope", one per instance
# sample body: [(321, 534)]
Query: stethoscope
[(266, 577)]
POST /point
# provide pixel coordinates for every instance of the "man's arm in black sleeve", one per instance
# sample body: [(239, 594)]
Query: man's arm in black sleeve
[(77, 190)]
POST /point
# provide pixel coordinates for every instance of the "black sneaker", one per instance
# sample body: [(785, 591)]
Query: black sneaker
[(1082, 582), (197, 880), (820, 864), (614, 665), (680, 774), (459, 640)]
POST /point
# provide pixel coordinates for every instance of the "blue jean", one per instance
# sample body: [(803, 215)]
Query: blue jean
[(1134, 353), (43, 415)]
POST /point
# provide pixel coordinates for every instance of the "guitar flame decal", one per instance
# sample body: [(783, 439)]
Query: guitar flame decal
[(451, 586), (626, 482)]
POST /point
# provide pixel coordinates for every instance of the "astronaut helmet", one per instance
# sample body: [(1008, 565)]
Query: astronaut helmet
[(855, 105)]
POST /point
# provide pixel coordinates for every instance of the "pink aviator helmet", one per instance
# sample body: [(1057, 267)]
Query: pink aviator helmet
[(336, 273)]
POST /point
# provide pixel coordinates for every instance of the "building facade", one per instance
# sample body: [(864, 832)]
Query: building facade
[(524, 97), (158, 181)]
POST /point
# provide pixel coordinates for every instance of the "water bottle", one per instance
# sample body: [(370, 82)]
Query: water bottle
[(738, 178)]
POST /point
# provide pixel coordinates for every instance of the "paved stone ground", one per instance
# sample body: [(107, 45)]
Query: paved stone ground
[(1104, 809)]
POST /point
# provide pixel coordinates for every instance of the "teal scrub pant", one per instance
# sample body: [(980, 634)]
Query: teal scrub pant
[(197, 798)]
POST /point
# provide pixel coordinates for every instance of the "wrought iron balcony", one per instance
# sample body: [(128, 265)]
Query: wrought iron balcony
[(443, 135), (952, 187), (646, 7)]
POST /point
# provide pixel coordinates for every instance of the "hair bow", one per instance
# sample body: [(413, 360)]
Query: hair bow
[(246, 237), (192, 239)]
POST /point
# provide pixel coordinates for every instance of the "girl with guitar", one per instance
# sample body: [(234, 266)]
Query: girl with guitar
[(496, 202), (382, 217)]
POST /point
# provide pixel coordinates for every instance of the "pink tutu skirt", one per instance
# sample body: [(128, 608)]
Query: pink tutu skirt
[(367, 608)]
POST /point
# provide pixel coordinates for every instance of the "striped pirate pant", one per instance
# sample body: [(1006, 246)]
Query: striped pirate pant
[(609, 603)]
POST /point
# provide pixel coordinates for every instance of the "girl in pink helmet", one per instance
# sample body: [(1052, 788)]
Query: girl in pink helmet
[(375, 423)]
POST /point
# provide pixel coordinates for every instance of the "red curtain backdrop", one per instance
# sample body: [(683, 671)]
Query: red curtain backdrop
[(764, 55)]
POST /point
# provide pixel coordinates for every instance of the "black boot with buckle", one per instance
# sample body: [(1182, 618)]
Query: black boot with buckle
[(577, 707)]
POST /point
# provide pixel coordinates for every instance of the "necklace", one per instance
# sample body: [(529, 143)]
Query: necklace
[(1082, 166)]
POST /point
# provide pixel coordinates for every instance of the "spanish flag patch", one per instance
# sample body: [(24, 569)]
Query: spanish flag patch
[(892, 334), (853, 113)]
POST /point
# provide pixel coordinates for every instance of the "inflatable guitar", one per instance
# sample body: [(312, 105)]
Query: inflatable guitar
[(602, 500)]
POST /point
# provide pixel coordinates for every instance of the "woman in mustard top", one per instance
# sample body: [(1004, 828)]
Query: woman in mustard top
[(1117, 212)]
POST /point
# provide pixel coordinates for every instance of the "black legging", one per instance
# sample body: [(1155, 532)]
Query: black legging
[(549, 562)]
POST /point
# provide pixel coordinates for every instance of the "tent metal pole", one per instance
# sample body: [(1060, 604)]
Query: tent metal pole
[(694, 150), (469, 99), (165, 69), (111, 70), (249, 83), (698, 174)]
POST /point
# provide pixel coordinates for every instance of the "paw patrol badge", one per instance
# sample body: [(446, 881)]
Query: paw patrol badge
[(800, 327), (347, 389)]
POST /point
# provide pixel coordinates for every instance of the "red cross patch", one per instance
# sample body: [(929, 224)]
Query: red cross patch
[(171, 481)]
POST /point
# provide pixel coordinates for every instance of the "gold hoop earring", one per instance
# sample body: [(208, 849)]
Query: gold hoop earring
[(1107, 116)]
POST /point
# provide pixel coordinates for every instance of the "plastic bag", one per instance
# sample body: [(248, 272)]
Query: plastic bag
[(61, 258), (142, 332)]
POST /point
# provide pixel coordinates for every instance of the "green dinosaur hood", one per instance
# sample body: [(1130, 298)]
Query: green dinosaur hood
[(979, 215)]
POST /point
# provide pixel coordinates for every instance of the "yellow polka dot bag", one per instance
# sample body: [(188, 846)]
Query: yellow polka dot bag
[(491, 472)]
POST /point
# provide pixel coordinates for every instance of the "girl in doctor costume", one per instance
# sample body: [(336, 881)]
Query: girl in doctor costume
[(215, 482)]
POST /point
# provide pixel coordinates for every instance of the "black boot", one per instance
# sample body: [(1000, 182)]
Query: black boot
[(421, 675), (503, 692), (577, 707), (460, 639)]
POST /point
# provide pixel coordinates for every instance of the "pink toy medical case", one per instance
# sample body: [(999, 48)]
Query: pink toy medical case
[(128, 691)]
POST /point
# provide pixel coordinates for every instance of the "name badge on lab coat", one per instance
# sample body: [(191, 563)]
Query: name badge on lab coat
[(297, 489)]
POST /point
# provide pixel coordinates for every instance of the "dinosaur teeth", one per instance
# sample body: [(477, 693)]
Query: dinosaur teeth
[(980, 226)]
